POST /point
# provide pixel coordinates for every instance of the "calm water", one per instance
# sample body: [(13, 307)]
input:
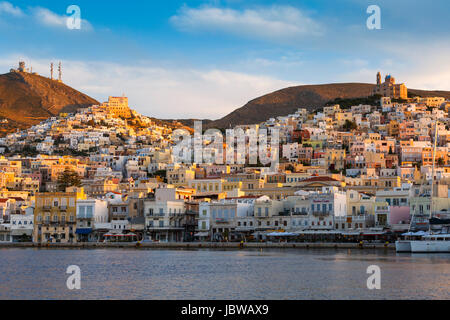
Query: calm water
[(208, 274)]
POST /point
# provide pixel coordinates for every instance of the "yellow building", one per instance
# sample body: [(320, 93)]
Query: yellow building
[(207, 186), (180, 176), (430, 101), (343, 116), (359, 203), (118, 106), (335, 158), (55, 216), (389, 88)]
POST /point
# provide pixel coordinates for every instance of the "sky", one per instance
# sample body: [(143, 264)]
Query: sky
[(204, 59)]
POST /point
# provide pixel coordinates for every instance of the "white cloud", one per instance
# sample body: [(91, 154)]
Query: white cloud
[(161, 92), (426, 67), (273, 23), (6, 7), (51, 19)]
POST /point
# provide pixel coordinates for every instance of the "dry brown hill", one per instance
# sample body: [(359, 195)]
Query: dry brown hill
[(27, 99), (312, 97)]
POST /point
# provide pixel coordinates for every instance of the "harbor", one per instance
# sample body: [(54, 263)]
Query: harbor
[(217, 274), (204, 245)]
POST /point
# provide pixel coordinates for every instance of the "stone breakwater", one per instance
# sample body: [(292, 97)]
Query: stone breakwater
[(203, 245)]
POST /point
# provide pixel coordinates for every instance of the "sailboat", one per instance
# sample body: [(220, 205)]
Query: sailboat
[(432, 242), (405, 245)]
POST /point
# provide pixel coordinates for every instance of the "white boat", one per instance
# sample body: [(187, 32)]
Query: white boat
[(403, 245), (435, 243), (430, 242)]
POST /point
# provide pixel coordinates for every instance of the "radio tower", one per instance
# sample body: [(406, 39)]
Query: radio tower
[(59, 72), (51, 71)]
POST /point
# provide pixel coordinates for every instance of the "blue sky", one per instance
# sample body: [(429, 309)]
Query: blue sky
[(182, 59)]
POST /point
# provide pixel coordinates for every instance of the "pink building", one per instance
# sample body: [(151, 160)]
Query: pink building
[(398, 215)]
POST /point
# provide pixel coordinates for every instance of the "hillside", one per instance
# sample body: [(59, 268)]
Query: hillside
[(312, 97), (27, 99)]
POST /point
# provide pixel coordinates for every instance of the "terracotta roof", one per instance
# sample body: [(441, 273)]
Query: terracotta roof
[(17, 198), (320, 179)]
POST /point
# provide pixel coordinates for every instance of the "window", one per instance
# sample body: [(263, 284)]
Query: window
[(89, 213)]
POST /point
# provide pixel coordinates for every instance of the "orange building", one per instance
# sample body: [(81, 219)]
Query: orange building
[(389, 88), (118, 106)]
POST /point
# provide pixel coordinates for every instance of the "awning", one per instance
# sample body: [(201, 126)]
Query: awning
[(281, 234), (374, 233), (20, 232), (351, 233), (201, 234), (416, 234), (83, 231), (321, 232)]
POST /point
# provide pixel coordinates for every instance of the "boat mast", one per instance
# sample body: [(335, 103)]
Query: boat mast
[(433, 171)]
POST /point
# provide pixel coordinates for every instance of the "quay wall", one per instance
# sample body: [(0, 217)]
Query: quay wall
[(203, 245)]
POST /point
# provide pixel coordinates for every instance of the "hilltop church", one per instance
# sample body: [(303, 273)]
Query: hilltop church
[(390, 89)]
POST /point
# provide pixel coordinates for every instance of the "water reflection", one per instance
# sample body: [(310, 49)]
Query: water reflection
[(211, 274)]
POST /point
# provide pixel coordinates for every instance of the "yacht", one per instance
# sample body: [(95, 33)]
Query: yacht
[(405, 244), (412, 245), (433, 243)]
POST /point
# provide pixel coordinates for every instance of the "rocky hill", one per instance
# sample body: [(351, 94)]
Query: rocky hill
[(312, 97), (27, 99)]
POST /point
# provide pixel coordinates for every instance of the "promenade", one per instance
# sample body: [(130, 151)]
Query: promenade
[(204, 245)]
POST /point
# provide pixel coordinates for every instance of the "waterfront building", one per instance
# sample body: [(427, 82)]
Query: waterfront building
[(22, 227), (164, 218), (55, 216), (90, 212)]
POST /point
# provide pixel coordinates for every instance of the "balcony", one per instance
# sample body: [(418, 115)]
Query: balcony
[(222, 220), (284, 213), (46, 208), (321, 213), (157, 215), (300, 213), (63, 208)]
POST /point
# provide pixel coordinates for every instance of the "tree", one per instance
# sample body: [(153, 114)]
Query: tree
[(69, 178), (350, 125)]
